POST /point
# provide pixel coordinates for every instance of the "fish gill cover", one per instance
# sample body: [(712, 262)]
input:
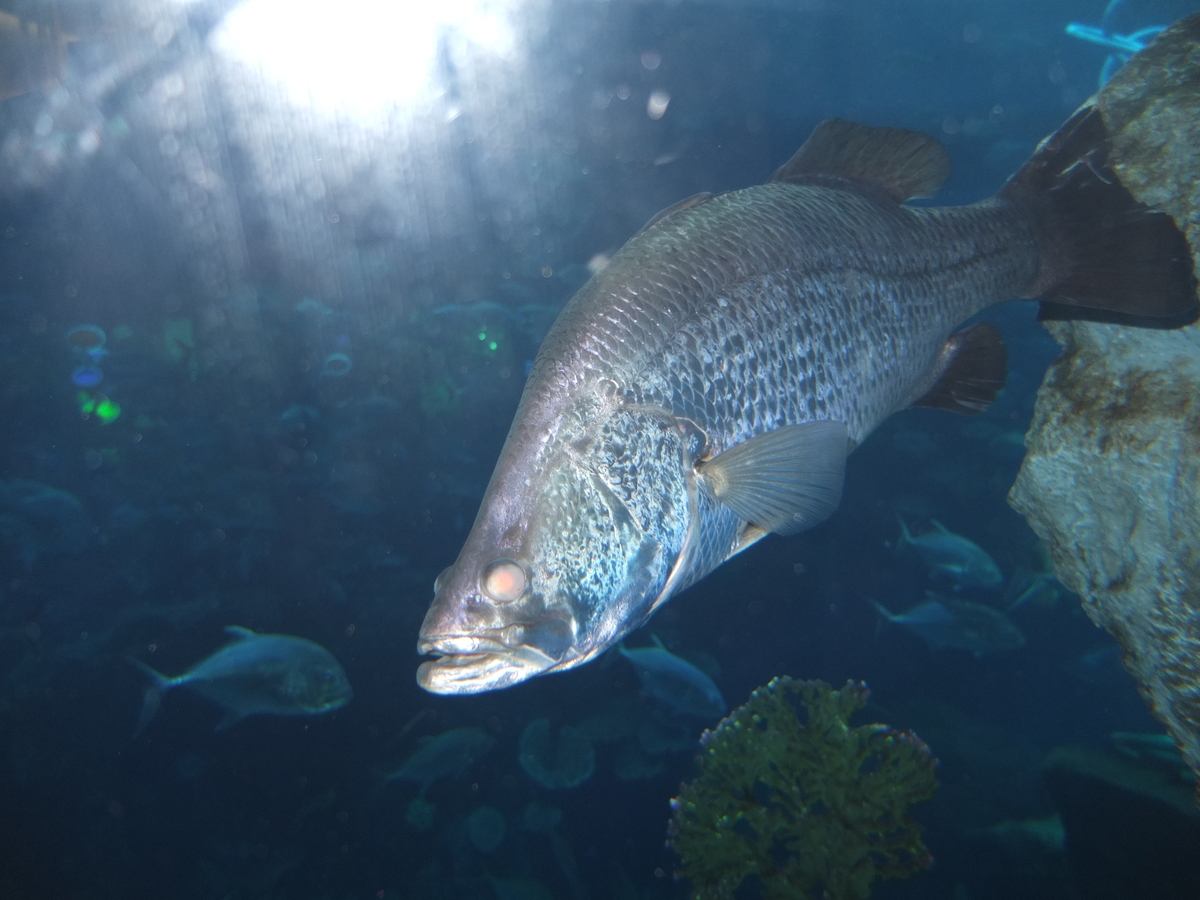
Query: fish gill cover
[(792, 797)]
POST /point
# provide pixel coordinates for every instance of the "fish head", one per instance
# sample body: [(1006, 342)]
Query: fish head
[(559, 565), (988, 573), (325, 688), (321, 688)]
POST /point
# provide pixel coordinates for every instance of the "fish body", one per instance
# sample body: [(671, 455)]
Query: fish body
[(675, 682), (258, 674), (704, 388), (958, 624), (953, 555), (450, 753)]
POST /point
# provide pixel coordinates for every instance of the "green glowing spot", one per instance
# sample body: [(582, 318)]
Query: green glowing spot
[(439, 397), (492, 345), (87, 403), (483, 335), (107, 410)]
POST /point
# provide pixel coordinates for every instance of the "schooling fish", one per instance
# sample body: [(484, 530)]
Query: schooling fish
[(676, 682), (953, 555), (973, 627), (271, 674), (704, 388)]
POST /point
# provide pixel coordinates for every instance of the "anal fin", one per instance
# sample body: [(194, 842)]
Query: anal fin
[(969, 373), (785, 480)]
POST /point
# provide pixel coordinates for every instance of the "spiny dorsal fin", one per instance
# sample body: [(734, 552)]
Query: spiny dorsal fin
[(685, 203), (240, 632), (785, 480), (969, 373), (904, 163)]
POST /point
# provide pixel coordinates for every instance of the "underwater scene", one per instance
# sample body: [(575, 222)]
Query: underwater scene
[(335, 564)]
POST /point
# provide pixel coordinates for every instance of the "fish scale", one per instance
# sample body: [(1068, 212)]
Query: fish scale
[(740, 344)]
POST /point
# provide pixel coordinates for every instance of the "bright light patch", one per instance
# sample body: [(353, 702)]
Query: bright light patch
[(356, 57), (656, 106)]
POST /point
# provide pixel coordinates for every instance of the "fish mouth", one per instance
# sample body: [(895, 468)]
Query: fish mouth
[(472, 665)]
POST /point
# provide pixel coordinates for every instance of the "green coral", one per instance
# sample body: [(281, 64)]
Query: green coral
[(791, 796)]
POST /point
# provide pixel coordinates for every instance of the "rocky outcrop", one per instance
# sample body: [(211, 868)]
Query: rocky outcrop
[(1111, 478)]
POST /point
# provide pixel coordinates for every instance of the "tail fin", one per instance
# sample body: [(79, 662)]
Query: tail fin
[(159, 685), (882, 610), (1101, 250)]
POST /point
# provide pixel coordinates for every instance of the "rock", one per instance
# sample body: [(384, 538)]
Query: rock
[(1111, 480)]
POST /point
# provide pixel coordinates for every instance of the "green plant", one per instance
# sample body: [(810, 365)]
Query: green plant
[(790, 795)]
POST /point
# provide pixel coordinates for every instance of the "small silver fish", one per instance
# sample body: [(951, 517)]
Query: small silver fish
[(257, 674), (675, 682), (450, 753), (958, 624), (704, 388), (953, 555)]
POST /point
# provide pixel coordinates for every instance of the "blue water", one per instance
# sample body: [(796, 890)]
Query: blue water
[(318, 305)]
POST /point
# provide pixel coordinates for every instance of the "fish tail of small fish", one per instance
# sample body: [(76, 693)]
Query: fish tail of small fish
[(1022, 598), (888, 615), (159, 685), (1102, 253)]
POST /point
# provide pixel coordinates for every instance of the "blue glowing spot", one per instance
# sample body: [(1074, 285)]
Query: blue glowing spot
[(87, 376)]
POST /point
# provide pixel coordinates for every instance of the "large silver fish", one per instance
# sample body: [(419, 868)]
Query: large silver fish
[(705, 387)]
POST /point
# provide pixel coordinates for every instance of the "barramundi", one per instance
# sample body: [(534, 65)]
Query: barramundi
[(704, 388)]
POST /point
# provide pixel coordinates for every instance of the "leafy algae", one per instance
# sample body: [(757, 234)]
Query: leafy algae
[(792, 797)]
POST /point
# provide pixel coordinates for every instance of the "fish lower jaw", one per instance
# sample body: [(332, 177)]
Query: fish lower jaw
[(474, 673)]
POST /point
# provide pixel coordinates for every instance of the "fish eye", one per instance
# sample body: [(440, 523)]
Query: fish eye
[(437, 582), (503, 580)]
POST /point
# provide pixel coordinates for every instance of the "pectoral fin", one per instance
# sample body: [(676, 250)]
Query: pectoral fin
[(785, 480)]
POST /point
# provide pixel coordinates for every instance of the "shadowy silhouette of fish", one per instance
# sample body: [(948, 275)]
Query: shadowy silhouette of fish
[(1029, 588), (257, 674), (450, 753), (960, 624), (675, 682)]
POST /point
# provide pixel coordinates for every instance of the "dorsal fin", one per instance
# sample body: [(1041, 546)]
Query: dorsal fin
[(904, 163), (685, 203), (969, 373)]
